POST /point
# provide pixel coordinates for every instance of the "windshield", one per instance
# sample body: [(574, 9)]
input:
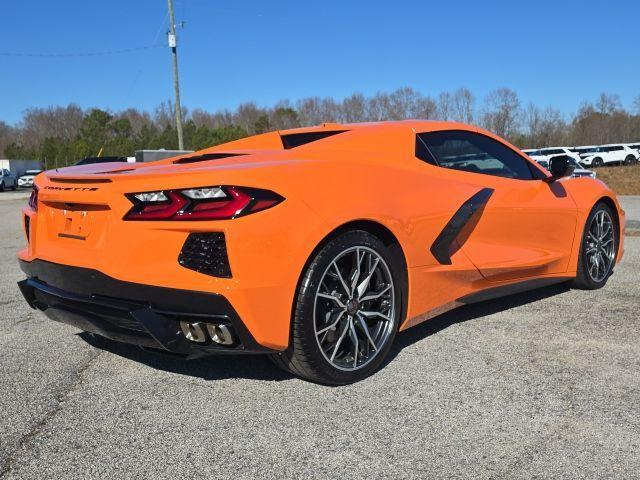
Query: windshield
[(582, 151), (573, 162)]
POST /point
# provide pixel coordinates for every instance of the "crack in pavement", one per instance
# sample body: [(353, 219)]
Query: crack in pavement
[(26, 441)]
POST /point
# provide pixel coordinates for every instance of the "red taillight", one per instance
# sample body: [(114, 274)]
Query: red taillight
[(207, 203), (33, 199)]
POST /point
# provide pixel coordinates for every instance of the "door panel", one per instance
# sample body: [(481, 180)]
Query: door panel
[(526, 229)]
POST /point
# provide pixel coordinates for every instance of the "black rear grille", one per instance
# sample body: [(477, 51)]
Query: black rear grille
[(206, 253)]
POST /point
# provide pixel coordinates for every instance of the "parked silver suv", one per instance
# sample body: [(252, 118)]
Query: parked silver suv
[(7, 180)]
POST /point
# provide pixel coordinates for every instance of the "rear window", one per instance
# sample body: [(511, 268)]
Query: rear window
[(293, 140)]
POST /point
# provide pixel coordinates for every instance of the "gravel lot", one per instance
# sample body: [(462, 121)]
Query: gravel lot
[(543, 384)]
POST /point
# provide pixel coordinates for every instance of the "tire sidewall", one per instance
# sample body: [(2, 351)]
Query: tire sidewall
[(306, 303)]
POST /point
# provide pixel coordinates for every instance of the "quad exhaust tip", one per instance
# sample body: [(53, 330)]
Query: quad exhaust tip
[(200, 332)]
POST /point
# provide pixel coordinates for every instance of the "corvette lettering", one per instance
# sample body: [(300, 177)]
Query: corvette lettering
[(74, 189)]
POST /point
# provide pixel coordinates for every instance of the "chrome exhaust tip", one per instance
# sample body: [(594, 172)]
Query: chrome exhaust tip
[(194, 331), (220, 333)]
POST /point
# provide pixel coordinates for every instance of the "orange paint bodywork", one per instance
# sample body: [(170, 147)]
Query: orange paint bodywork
[(529, 229)]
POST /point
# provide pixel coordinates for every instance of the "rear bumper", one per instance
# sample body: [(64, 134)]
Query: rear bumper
[(128, 312)]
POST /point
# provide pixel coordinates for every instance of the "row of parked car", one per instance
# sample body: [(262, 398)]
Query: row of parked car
[(9, 180), (590, 155)]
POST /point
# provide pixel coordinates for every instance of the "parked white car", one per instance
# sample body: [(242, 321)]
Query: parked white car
[(545, 154), (26, 180), (607, 155), (634, 146)]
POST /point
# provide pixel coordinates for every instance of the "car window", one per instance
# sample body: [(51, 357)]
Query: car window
[(473, 152)]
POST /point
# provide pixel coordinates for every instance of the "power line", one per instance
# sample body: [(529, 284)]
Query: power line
[(79, 54)]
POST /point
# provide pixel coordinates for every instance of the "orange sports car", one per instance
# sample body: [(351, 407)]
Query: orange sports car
[(313, 245)]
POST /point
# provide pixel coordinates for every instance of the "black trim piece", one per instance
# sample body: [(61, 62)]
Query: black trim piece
[(505, 290), (293, 140), (27, 227), (442, 245), (129, 312), (206, 156), (76, 180), (70, 235)]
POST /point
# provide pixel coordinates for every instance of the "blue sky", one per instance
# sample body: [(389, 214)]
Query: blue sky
[(556, 53)]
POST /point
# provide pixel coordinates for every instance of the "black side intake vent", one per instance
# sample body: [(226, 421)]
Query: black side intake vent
[(206, 253), (206, 156)]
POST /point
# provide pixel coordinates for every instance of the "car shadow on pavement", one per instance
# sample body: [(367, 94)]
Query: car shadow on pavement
[(259, 367), (218, 367), (470, 312)]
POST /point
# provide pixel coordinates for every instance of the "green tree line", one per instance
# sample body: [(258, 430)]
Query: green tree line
[(62, 135)]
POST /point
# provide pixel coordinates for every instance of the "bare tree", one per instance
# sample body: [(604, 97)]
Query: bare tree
[(501, 113), (50, 122), (608, 103), (462, 105), (635, 106), (354, 109), (309, 111), (7, 136), (137, 118), (544, 127), (445, 106), (247, 115)]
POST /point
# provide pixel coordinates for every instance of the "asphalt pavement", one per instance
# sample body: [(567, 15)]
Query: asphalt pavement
[(543, 384)]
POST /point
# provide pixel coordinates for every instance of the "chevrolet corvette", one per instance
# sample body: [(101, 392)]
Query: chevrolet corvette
[(314, 246)]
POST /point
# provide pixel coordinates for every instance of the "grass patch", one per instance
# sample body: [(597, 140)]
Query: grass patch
[(624, 180)]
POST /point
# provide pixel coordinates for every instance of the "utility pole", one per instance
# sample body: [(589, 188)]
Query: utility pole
[(176, 83)]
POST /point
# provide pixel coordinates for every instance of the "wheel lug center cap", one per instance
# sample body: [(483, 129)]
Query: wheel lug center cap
[(352, 307)]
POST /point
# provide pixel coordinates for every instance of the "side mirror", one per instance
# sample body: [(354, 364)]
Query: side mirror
[(560, 167)]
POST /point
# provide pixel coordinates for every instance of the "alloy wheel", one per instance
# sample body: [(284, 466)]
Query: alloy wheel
[(600, 246), (354, 310)]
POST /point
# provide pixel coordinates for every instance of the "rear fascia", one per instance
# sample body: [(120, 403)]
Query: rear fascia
[(266, 253)]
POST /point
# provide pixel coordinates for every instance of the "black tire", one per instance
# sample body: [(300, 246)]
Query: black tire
[(304, 357), (597, 162), (13, 189), (630, 160), (584, 279), (1, 186)]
